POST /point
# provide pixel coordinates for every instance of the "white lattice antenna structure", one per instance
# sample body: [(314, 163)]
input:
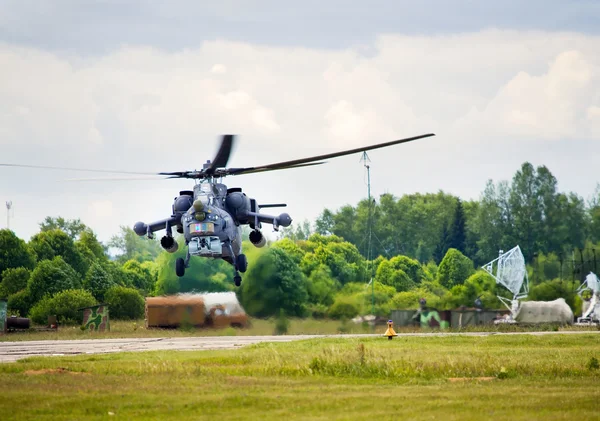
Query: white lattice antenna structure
[(592, 313), (591, 282), (509, 270)]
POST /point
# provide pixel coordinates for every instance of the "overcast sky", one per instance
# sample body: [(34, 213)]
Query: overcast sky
[(150, 86)]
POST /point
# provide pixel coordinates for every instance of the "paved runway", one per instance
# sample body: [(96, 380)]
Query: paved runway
[(13, 351)]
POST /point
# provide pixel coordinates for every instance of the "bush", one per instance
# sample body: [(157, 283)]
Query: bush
[(389, 274), (13, 281), (317, 311), (454, 269), (409, 300), (124, 303), (65, 305), (282, 324), (344, 307), (557, 288), (20, 303)]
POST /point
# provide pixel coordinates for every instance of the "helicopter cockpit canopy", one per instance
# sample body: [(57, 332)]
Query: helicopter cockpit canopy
[(204, 193)]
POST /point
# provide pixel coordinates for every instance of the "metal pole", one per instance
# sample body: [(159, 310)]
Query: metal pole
[(582, 277), (8, 206), (365, 157), (369, 246), (372, 282)]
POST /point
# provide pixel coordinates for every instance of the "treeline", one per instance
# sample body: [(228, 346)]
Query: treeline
[(422, 246), (529, 211), (64, 268)]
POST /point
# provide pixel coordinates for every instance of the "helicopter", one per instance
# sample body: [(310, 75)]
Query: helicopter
[(211, 215)]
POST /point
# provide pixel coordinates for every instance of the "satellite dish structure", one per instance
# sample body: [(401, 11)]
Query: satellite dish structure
[(591, 315), (509, 270)]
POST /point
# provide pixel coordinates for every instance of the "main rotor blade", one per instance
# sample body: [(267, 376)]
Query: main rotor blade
[(237, 171), (222, 156), (302, 162), (115, 179), (76, 169)]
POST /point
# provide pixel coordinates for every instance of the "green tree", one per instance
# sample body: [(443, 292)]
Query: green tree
[(87, 255), (52, 276), (72, 227), (410, 225), (527, 209), (573, 224), (291, 248), (341, 257), (133, 247), (396, 278), (88, 239), (457, 232), (140, 277), (49, 244), (98, 281), (14, 252), (117, 273), (13, 280), (272, 283), (454, 269), (20, 303), (594, 212), (401, 272), (545, 267), (479, 285), (443, 245), (325, 223), (297, 232), (321, 286), (492, 224)]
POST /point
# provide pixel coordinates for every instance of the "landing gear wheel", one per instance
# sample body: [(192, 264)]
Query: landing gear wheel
[(238, 280), (242, 263), (180, 267)]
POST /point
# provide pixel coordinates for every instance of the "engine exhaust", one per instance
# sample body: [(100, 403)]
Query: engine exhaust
[(169, 244), (257, 238)]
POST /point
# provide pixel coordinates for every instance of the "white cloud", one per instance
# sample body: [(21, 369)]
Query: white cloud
[(219, 69), (140, 108), (550, 106)]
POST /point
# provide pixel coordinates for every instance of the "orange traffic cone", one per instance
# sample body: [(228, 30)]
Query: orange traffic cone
[(390, 333)]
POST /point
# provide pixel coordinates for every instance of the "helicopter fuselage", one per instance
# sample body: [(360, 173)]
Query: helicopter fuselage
[(207, 227), (210, 218)]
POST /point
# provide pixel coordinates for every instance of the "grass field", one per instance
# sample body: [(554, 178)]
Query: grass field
[(136, 329), (409, 378)]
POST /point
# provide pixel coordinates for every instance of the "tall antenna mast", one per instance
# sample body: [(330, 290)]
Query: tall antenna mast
[(364, 159), (8, 207)]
